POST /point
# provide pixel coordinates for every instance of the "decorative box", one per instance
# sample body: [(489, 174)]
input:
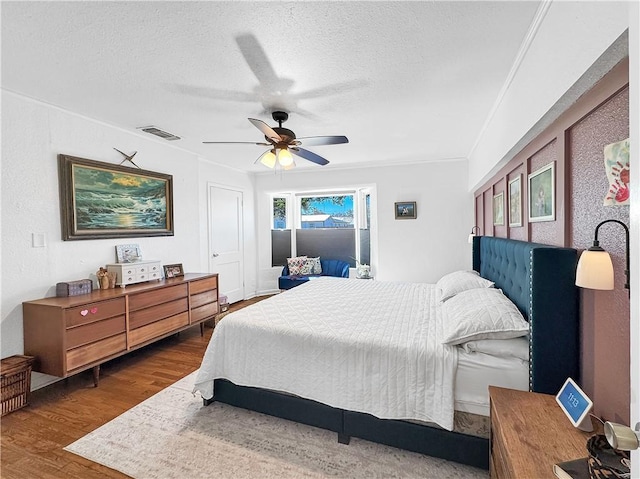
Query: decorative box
[(223, 303), (15, 382), (74, 288), (136, 272)]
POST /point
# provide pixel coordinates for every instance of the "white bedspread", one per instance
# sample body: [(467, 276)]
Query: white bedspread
[(365, 346)]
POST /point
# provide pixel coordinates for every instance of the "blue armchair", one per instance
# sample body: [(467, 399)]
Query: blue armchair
[(330, 267)]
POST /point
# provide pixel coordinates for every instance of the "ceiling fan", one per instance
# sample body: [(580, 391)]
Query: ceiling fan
[(282, 143)]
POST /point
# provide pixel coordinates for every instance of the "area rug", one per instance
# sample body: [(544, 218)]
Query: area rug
[(172, 435)]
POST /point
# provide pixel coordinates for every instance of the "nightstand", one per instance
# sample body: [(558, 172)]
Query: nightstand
[(529, 434)]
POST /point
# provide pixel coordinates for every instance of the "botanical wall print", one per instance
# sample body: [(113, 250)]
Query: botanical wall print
[(498, 209), (542, 194), (101, 200), (616, 164), (515, 202)]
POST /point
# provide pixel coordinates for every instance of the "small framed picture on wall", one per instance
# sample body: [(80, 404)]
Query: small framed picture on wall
[(498, 209), (542, 194), (515, 202), (406, 210)]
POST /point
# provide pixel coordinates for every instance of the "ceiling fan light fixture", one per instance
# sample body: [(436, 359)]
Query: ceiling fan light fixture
[(268, 159), (285, 159)]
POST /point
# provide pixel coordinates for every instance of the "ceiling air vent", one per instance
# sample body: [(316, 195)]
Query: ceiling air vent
[(158, 132)]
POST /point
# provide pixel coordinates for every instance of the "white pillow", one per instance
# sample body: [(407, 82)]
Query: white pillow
[(481, 313), (458, 281), (502, 348)]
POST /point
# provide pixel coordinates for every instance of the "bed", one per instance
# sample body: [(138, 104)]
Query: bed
[(396, 403)]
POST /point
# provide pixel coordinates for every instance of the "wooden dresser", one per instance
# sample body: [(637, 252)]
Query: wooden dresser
[(71, 334), (529, 434)]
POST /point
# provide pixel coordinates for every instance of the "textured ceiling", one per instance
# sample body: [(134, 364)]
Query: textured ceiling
[(404, 81)]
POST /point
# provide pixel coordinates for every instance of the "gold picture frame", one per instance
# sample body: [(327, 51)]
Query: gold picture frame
[(102, 200)]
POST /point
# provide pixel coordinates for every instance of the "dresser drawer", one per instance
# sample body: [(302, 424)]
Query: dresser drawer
[(161, 295), (203, 285), (203, 312), (88, 333), (90, 353), (158, 328), (148, 315), (203, 298), (91, 312)]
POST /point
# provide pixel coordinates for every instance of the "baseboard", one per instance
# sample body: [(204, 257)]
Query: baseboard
[(269, 292), (39, 380)]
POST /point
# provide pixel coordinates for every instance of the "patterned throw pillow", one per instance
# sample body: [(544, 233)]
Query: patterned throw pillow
[(314, 265), (296, 264), (307, 267)]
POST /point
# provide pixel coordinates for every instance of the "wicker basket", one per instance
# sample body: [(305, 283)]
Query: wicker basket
[(15, 382)]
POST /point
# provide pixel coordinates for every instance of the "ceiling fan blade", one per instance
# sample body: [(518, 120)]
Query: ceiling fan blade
[(309, 155), (323, 140), (260, 65), (265, 129), (235, 143)]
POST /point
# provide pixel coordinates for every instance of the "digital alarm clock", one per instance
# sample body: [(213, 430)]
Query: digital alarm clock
[(575, 404)]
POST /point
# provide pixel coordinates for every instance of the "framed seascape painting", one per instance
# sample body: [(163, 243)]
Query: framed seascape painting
[(515, 202), (542, 194), (101, 200), (498, 209)]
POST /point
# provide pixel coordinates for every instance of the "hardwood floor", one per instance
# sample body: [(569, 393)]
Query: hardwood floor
[(33, 437)]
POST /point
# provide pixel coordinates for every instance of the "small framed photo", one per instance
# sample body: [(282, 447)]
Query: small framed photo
[(542, 194), (515, 202), (128, 253), (498, 209), (173, 270), (406, 210)]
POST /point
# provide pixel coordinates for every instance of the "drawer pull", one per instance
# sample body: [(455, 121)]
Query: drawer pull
[(94, 310), (84, 312)]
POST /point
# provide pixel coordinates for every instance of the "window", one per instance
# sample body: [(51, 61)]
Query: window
[(330, 225), (326, 211), (280, 235)]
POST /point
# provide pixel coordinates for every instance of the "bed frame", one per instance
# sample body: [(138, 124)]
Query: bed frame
[(539, 279)]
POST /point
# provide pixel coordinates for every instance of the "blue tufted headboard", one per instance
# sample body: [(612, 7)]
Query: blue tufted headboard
[(540, 280)]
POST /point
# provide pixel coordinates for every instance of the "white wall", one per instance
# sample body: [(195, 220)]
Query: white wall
[(569, 39), (407, 250), (33, 134)]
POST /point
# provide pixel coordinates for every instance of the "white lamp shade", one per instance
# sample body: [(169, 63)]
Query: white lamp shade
[(284, 158), (268, 159), (595, 270)]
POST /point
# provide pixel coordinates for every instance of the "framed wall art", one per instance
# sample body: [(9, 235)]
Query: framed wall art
[(498, 209), (515, 202), (406, 210), (102, 200), (173, 270), (542, 194)]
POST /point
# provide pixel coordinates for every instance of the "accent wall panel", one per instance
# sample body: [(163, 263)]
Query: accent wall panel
[(605, 314)]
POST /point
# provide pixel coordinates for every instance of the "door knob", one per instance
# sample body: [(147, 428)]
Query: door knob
[(215, 255)]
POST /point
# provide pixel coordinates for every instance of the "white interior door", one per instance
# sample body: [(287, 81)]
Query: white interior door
[(225, 241)]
